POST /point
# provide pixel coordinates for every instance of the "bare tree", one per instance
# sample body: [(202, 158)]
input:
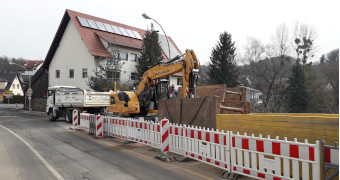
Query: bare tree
[(281, 41), (254, 50), (304, 42), (269, 65)]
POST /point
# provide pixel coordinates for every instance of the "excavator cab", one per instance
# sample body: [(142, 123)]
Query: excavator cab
[(124, 103)]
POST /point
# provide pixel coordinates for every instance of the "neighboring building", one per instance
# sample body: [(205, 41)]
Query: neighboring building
[(11, 81), (31, 67), (82, 42), (39, 85), (253, 95)]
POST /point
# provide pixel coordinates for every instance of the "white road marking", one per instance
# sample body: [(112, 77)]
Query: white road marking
[(49, 167)]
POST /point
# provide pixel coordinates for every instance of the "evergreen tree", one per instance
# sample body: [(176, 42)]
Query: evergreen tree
[(322, 59), (296, 91), (109, 73), (222, 68), (151, 53)]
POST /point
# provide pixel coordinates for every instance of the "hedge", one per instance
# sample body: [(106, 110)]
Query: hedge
[(15, 99)]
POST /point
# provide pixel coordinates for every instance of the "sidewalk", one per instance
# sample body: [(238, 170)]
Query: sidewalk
[(12, 106)]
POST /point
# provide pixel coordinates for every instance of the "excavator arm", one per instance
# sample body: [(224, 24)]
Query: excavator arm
[(189, 66)]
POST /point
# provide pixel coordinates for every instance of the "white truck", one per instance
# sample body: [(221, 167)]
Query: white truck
[(62, 100)]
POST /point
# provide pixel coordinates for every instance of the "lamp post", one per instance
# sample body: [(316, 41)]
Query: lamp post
[(147, 17), (29, 83)]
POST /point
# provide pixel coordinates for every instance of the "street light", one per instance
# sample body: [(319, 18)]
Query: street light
[(147, 17), (29, 83)]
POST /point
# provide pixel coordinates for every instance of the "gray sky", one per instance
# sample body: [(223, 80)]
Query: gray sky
[(28, 26)]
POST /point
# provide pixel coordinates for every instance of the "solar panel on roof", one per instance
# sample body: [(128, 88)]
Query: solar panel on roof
[(92, 24), (108, 28), (137, 35), (123, 30), (101, 26), (130, 33), (116, 29), (83, 22)]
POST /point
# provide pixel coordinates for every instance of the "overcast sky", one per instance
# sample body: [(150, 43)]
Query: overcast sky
[(28, 26)]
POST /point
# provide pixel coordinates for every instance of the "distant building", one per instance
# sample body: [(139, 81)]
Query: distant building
[(11, 81), (82, 42), (253, 95), (31, 68)]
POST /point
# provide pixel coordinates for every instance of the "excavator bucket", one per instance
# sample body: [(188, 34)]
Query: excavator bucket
[(191, 111)]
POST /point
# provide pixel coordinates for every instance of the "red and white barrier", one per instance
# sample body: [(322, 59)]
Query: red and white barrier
[(84, 121), (96, 125), (165, 136), (332, 155), (208, 146), (177, 138), (99, 126), (75, 118), (259, 157), (155, 135), (251, 156)]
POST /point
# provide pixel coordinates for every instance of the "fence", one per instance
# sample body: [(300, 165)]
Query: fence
[(251, 156), (330, 158), (262, 157)]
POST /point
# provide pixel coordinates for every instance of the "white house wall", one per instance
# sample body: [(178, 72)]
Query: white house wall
[(3, 85), (17, 89), (72, 53), (173, 81), (128, 66)]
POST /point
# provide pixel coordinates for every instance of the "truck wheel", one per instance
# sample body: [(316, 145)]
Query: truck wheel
[(50, 116), (68, 116)]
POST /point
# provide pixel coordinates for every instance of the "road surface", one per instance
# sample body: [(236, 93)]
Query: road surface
[(31, 147)]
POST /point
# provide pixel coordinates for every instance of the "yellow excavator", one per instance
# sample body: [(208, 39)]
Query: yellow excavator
[(144, 99)]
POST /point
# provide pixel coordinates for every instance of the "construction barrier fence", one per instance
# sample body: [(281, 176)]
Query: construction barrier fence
[(257, 157)]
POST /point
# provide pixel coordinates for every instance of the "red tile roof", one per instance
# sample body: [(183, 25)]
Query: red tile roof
[(32, 64), (93, 43)]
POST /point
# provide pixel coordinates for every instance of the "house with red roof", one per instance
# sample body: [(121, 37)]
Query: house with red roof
[(83, 42)]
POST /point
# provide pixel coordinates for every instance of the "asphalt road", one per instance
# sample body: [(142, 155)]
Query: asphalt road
[(47, 150)]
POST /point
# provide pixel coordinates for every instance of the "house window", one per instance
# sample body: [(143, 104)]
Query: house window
[(123, 55), (133, 76), (17, 86), (71, 73), (84, 72), (179, 81), (13, 86), (113, 75), (133, 57), (57, 73)]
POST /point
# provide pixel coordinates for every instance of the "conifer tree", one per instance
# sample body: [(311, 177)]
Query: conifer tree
[(151, 53), (222, 68), (296, 91)]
